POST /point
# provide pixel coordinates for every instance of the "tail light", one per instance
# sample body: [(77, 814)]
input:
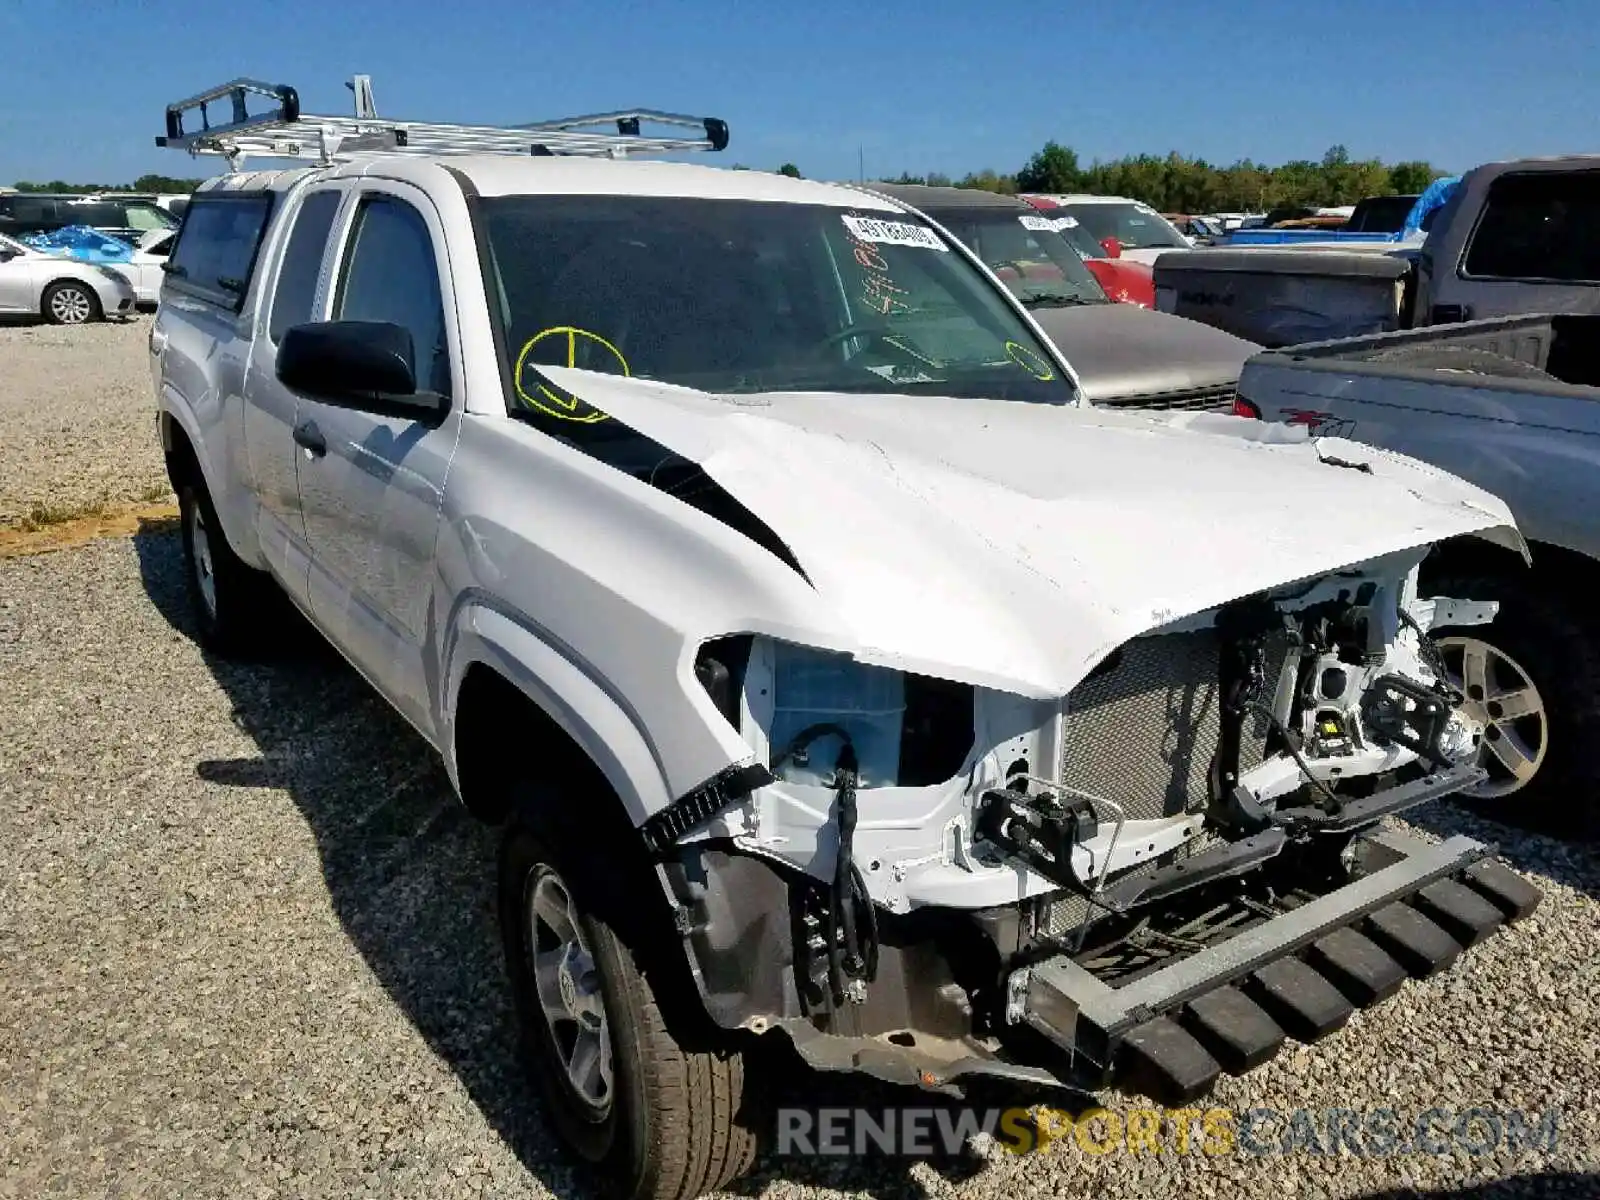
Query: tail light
[(1245, 408)]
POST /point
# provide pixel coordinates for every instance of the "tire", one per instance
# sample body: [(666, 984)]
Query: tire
[(70, 303), (1464, 359), (668, 1123), (1541, 640), (230, 600)]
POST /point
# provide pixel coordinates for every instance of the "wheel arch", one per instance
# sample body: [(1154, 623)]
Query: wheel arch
[(1553, 565), (513, 702), (94, 293)]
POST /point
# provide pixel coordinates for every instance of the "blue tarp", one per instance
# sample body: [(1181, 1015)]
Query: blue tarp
[(82, 243), (1437, 194)]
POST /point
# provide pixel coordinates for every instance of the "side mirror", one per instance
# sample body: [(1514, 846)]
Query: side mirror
[(367, 365), (1112, 247)]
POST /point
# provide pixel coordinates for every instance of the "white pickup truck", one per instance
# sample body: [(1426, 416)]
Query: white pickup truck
[(839, 677)]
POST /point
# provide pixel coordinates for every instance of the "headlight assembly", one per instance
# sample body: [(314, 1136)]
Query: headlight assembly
[(798, 707)]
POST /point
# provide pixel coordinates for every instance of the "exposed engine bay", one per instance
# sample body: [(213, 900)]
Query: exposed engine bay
[(1253, 740)]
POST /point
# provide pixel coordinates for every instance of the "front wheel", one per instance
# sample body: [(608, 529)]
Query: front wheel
[(70, 303), (1528, 677), (659, 1121)]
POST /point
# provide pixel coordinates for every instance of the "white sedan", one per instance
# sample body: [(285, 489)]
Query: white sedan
[(62, 290)]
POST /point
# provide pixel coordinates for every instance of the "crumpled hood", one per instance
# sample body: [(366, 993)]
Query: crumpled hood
[(1014, 545), (1121, 352)]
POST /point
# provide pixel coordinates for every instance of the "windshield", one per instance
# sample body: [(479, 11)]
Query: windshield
[(1134, 225), (1027, 251), (739, 296)]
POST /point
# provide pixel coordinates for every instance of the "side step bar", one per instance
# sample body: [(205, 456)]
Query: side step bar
[(1300, 975)]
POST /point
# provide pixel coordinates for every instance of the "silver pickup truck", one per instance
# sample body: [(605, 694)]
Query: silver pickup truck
[(1513, 404), (839, 676)]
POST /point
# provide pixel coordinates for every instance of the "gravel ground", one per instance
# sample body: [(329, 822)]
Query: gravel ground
[(247, 949), (79, 419)]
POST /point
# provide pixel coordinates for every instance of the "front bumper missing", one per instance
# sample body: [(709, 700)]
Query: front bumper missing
[(1170, 1033)]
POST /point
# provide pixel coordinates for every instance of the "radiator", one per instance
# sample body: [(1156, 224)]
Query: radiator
[(1143, 728)]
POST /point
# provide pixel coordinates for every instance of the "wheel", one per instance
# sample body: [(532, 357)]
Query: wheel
[(228, 598), (658, 1121), (1529, 677), (70, 303)]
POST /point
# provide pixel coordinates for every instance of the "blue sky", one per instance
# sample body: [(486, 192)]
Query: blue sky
[(935, 85)]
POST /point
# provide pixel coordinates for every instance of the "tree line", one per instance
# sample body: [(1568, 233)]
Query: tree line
[(145, 183), (1176, 183), (1173, 183)]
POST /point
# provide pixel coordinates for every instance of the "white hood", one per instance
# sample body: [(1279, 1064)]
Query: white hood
[(1015, 545)]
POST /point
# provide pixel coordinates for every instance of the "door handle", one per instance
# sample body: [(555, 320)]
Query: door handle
[(309, 438)]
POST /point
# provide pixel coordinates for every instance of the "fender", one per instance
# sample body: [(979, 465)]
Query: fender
[(232, 502), (591, 716)]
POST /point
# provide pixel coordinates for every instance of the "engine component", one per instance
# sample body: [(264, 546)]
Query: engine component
[(1399, 711), (1039, 830)]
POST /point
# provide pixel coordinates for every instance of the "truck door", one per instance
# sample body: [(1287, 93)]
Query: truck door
[(371, 486), (272, 409)]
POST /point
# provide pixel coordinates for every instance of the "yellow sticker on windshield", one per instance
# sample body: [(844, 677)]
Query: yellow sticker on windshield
[(1029, 361), (553, 402)]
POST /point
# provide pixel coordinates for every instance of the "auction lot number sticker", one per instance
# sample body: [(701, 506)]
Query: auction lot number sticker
[(893, 233)]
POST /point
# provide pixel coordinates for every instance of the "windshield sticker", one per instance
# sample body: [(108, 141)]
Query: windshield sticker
[(1029, 361), (879, 292), (893, 233), (597, 354), (1048, 224)]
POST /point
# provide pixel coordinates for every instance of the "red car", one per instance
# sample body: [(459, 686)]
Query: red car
[(1123, 280)]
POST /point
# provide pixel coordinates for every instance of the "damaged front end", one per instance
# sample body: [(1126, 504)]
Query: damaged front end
[(1153, 879)]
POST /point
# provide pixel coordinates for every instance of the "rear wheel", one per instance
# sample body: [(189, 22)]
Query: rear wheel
[(659, 1120), (70, 303), (1530, 677)]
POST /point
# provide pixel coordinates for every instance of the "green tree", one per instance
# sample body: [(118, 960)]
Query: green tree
[(792, 171), (1411, 178), (1052, 169)]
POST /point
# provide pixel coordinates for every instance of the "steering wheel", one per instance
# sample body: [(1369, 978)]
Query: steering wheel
[(876, 330)]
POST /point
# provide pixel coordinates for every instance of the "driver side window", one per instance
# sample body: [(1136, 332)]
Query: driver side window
[(390, 274)]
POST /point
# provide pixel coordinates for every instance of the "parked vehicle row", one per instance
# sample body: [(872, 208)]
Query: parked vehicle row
[(1511, 238), (839, 674)]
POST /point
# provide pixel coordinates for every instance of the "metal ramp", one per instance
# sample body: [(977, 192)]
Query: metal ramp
[(278, 129)]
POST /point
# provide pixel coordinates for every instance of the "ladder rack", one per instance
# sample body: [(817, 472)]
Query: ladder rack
[(281, 130)]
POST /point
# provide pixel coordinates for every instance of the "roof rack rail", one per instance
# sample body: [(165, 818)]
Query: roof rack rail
[(283, 131)]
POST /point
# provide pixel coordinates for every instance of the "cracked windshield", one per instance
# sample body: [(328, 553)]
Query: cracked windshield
[(739, 296)]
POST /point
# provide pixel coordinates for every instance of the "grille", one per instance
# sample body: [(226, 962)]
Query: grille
[(1189, 400), (1143, 728)]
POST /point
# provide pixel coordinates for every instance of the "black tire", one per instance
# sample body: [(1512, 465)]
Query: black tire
[(677, 1122), (64, 301), (1545, 638), (1468, 360), (233, 617)]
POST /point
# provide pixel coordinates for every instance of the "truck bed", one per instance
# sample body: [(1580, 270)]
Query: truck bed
[(1510, 403), (1564, 348), (1277, 296)]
